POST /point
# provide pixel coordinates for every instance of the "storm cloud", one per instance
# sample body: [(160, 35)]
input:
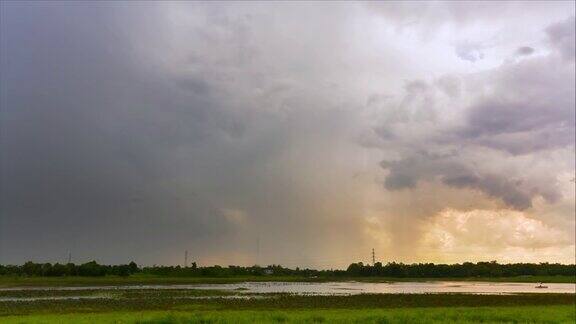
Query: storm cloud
[(138, 130), (516, 111)]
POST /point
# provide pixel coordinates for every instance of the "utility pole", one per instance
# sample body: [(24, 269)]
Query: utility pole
[(186, 259), (373, 257)]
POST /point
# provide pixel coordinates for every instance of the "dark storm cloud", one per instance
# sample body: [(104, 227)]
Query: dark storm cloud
[(124, 132), (406, 173), (136, 130), (494, 186), (494, 117), (89, 134)]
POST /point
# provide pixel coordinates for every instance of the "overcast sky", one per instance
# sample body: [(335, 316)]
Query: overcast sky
[(431, 132)]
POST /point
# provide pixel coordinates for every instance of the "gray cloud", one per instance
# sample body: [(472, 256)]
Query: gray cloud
[(136, 136), (494, 186), (531, 109), (561, 36), (89, 139), (517, 109), (524, 51), (452, 171), (150, 128)]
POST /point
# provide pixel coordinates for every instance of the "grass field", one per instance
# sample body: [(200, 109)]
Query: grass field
[(21, 281), (526, 314), (146, 300), (112, 305), (210, 306)]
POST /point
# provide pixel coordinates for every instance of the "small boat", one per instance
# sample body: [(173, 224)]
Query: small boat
[(541, 286)]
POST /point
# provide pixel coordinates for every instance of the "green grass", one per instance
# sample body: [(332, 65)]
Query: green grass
[(179, 301), (182, 306), (116, 293), (526, 314), (21, 281)]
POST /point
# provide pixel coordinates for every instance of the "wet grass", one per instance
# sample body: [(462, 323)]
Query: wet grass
[(47, 293), (179, 301), (139, 279), (214, 306), (114, 293), (22, 281), (518, 314)]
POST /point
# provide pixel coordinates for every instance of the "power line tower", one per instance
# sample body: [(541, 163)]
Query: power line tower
[(373, 257), (186, 259), (69, 257)]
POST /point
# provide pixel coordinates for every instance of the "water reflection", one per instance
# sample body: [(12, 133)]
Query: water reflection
[(349, 287)]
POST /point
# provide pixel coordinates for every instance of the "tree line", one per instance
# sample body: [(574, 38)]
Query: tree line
[(466, 269), (392, 269), (88, 269)]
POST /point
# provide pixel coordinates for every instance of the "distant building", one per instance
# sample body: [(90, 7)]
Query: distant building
[(268, 271)]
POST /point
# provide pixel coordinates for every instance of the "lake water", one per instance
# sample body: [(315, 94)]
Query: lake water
[(352, 287)]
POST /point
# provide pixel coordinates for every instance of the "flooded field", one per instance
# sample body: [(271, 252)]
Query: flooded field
[(331, 288), (352, 288), (341, 288), (259, 299)]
